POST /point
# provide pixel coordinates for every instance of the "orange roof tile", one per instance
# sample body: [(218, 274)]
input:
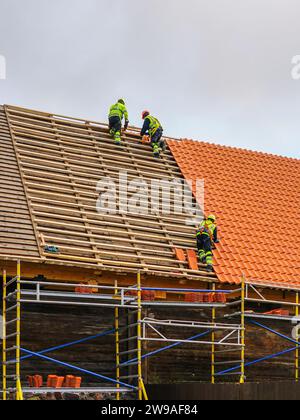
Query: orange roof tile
[(256, 197)]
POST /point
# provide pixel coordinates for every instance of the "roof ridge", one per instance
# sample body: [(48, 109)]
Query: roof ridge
[(168, 138)]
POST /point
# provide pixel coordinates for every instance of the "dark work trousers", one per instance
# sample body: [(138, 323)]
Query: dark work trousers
[(157, 136), (205, 249), (115, 124)]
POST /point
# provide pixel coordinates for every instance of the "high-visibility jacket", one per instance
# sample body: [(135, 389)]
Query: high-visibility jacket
[(208, 228), (154, 124), (119, 110)]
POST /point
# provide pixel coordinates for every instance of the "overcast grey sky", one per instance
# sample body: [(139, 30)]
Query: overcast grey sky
[(217, 70)]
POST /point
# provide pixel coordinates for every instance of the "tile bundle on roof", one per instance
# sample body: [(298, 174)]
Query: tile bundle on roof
[(256, 197)]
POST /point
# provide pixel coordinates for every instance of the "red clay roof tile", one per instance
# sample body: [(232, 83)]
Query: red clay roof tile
[(256, 197)]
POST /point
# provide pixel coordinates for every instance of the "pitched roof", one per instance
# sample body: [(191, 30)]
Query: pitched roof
[(256, 197), (54, 164), (50, 168)]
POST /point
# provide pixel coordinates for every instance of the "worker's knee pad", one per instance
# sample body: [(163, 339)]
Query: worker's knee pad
[(209, 257)]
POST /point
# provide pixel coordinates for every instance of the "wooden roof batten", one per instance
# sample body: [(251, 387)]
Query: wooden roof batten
[(60, 161)]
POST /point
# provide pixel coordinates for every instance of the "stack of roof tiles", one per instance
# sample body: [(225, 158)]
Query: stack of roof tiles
[(256, 197)]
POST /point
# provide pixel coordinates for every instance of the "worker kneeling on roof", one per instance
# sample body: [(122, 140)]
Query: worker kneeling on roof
[(207, 236), (117, 112), (154, 128)]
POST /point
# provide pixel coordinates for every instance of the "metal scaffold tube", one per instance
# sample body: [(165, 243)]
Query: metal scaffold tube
[(297, 339), (213, 347), (117, 338), (141, 387), (18, 336), (4, 347), (243, 331)]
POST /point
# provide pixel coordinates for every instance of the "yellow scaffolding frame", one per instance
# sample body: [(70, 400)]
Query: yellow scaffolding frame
[(243, 314), (142, 394), (4, 348), (297, 339), (117, 337), (243, 330), (213, 347), (141, 389), (17, 334)]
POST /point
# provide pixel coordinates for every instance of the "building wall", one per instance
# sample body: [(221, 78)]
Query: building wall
[(44, 327)]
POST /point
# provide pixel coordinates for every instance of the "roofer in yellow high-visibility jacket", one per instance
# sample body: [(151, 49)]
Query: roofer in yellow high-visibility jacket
[(207, 236), (154, 128), (117, 112)]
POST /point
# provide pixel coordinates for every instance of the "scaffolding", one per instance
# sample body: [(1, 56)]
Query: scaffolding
[(12, 336), (224, 333)]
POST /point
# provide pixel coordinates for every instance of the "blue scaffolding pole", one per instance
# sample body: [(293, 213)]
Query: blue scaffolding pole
[(69, 366), (285, 337), (162, 289), (254, 362), (266, 358), (71, 344)]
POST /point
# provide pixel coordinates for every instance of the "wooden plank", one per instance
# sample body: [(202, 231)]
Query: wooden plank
[(12, 192), (104, 245), (25, 140), (78, 199), (135, 226), (47, 159), (35, 193), (67, 206), (109, 237), (46, 222), (64, 207)]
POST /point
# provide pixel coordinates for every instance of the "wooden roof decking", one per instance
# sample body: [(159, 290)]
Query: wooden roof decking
[(17, 236), (61, 160)]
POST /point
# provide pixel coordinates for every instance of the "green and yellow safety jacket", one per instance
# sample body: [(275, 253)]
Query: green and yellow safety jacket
[(208, 228), (119, 110), (151, 125)]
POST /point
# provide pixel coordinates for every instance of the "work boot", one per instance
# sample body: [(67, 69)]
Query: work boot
[(112, 132), (118, 138), (156, 151), (209, 269)]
